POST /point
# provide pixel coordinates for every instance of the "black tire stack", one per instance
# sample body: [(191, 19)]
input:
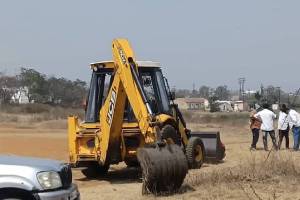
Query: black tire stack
[(164, 168)]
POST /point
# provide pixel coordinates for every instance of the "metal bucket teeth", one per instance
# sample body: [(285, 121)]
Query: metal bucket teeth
[(164, 168)]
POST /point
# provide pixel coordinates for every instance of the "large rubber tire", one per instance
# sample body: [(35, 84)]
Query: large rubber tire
[(195, 153), (163, 168), (95, 170), (170, 135)]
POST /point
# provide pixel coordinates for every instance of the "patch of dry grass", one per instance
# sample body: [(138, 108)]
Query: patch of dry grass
[(32, 113), (253, 169), (255, 177), (230, 118)]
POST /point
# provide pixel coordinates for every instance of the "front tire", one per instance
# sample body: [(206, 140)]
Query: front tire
[(95, 170), (195, 153)]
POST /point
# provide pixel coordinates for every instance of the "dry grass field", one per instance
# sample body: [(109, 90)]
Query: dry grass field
[(244, 174)]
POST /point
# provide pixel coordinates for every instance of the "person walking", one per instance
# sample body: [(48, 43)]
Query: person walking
[(283, 126), (267, 117), (255, 124), (294, 123)]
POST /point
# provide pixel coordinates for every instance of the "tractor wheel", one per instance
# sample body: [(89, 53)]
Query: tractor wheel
[(195, 153), (163, 168), (95, 170), (170, 135)]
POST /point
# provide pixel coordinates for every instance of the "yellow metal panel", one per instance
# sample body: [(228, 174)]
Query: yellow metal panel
[(72, 123), (111, 119)]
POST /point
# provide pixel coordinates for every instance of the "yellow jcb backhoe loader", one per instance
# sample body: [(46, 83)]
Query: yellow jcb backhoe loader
[(129, 118)]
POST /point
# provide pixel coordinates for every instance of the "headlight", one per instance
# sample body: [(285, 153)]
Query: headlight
[(49, 180)]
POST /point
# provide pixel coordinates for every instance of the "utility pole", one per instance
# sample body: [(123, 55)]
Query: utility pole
[(242, 90), (194, 91), (279, 95)]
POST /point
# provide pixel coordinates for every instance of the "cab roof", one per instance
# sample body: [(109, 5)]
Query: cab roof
[(109, 64)]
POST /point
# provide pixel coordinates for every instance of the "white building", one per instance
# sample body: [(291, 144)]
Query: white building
[(192, 103), (224, 106), (239, 106), (20, 96)]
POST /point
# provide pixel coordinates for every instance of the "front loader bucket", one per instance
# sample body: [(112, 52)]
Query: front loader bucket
[(214, 148), (163, 168)]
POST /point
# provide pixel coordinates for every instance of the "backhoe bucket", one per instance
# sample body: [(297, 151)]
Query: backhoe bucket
[(163, 168), (214, 148)]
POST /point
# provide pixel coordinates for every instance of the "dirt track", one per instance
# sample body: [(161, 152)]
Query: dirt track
[(125, 183)]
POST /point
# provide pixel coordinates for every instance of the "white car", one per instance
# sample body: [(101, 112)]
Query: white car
[(26, 178)]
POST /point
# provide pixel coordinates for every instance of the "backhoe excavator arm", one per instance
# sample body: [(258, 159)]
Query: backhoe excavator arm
[(164, 166), (125, 84)]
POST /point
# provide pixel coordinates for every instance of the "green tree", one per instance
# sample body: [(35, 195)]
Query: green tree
[(222, 93), (181, 93), (204, 91), (66, 92), (257, 96), (8, 87), (213, 105), (36, 84), (272, 94), (56, 89)]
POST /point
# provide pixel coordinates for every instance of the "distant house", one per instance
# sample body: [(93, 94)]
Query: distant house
[(192, 103), (229, 106), (224, 106), (250, 92), (20, 96), (239, 106)]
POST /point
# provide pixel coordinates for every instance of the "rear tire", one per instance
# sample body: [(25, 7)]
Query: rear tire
[(95, 170), (195, 153)]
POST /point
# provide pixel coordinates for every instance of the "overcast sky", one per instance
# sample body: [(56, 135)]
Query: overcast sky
[(203, 42)]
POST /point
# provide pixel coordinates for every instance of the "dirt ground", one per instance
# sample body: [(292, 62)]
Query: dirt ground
[(121, 182)]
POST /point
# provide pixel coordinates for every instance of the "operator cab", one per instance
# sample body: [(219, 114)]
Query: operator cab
[(151, 79)]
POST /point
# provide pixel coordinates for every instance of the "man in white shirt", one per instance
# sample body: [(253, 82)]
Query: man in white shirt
[(294, 123), (283, 126), (267, 117)]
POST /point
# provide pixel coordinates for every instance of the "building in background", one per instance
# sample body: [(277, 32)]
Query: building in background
[(20, 97), (224, 106), (192, 103), (239, 106)]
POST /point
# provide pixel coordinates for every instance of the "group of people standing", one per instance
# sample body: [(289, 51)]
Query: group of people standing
[(264, 121)]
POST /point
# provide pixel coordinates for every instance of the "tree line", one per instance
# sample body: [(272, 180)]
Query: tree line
[(269, 94), (40, 88), (221, 92)]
